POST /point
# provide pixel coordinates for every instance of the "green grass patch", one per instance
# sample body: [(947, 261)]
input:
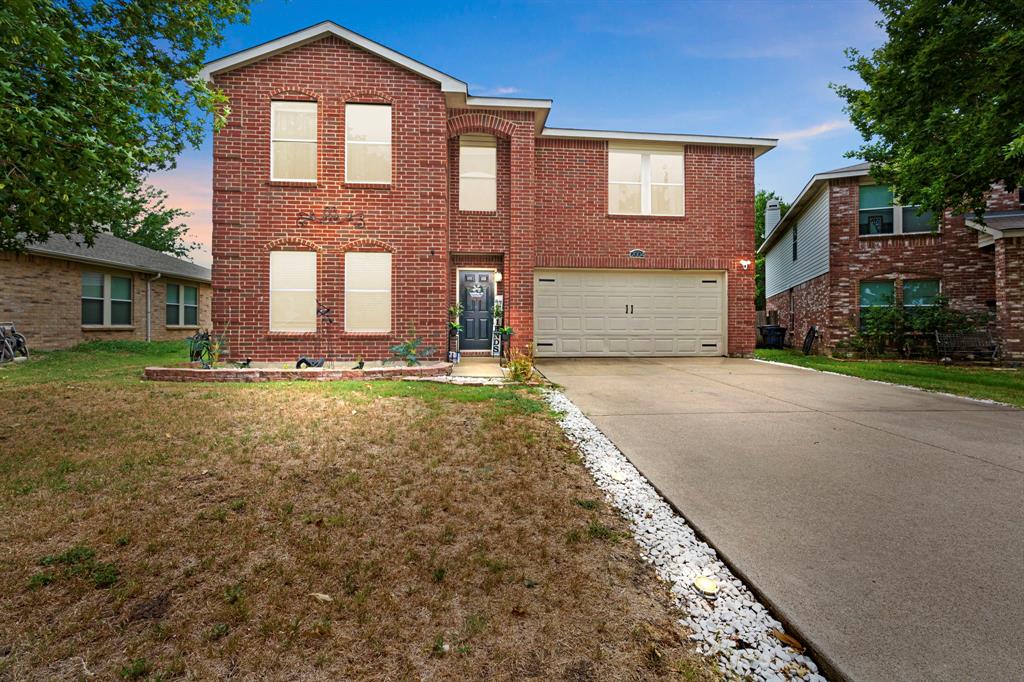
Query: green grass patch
[(1003, 385)]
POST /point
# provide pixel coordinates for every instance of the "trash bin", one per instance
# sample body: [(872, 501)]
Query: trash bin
[(774, 335)]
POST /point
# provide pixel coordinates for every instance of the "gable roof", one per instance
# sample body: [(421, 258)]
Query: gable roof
[(322, 30), (810, 191), (115, 252), (456, 92)]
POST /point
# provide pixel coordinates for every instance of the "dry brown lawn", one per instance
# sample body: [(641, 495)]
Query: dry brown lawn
[(388, 531)]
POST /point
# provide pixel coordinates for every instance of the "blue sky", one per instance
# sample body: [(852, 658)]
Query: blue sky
[(721, 68)]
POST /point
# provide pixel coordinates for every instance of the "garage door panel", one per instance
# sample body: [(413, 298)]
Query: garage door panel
[(629, 312)]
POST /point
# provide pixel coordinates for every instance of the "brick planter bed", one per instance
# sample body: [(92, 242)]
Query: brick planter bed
[(260, 374)]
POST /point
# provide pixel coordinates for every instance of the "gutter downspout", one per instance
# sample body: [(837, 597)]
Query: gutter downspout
[(149, 305)]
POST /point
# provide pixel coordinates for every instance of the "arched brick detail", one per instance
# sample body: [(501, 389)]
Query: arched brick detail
[(366, 244), (294, 94), (296, 244), (481, 123), (368, 97)]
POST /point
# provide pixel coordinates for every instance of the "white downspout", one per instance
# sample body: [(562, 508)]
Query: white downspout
[(149, 305)]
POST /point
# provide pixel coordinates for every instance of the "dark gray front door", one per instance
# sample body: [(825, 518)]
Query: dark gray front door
[(476, 291)]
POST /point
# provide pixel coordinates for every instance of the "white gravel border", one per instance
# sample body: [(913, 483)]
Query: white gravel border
[(735, 628)]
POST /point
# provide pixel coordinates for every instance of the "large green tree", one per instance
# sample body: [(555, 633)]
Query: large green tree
[(942, 113), (760, 204), (96, 96)]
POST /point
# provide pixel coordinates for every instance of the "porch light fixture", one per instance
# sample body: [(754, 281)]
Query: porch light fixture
[(497, 277), (745, 263)]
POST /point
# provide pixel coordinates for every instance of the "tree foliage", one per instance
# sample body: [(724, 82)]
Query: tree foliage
[(97, 95), (760, 204), (942, 113)]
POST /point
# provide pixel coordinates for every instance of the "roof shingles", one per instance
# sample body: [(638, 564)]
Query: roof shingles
[(116, 252)]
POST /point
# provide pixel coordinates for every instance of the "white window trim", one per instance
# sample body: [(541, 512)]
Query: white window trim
[(645, 180), (388, 142), (387, 291), (270, 300), (181, 305), (314, 142), (897, 218), (107, 298)]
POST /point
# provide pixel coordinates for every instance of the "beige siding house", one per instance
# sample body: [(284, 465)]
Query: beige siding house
[(63, 292)]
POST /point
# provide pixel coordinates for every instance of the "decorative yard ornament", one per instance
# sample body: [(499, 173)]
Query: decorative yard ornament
[(332, 216)]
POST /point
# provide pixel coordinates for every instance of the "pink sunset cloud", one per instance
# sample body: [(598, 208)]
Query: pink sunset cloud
[(189, 187)]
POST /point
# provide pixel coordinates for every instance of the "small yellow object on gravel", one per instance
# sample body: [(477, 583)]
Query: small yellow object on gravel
[(706, 586)]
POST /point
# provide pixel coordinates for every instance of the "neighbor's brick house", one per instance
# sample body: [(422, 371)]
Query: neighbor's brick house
[(62, 292), (844, 246), (352, 177)]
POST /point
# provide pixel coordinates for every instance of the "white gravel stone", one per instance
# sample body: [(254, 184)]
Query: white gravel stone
[(669, 544)]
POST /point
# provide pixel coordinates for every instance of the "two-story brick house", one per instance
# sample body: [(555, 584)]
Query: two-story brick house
[(351, 176), (846, 244)]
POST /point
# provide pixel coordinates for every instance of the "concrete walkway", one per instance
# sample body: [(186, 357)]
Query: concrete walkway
[(884, 525)]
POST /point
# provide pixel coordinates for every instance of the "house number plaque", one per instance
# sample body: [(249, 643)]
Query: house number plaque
[(332, 216)]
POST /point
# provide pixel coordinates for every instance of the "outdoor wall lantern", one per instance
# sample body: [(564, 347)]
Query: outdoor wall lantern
[(745, 263), (497, 277)]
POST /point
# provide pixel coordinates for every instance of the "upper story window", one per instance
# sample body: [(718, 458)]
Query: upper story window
[(795, 228), (106, 299), (182, 306), (368, 143), (478, 173), (880, 215), (293, 141), (292, 291), (642, 182)]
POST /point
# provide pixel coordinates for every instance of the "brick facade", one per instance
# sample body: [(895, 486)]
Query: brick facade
[(551, 207), (42, 296), (973, 278)]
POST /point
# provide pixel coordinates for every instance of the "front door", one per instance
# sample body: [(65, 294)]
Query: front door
[(476, 294)]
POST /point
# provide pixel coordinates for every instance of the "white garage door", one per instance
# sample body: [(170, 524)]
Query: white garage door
[(629, 312)]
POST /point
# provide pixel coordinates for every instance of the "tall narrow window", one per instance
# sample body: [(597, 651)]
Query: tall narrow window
[(478, 173), (92, 298), (293, 141), (795, 240), (367, 292), (645, 182), (368, 143), (292, 291), (182, 305), (106, 299)]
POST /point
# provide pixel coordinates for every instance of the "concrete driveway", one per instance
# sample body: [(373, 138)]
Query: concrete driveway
[(884, 525)]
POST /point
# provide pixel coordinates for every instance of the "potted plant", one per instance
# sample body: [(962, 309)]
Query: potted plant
[(454, 317)]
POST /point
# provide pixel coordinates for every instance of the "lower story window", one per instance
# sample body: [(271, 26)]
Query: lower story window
[(919, 293), (106, 299), (292, 291), (367, 292), (875, 295), (182, 305)]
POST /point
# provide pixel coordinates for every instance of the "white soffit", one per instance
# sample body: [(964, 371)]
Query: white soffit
[(759, 144)]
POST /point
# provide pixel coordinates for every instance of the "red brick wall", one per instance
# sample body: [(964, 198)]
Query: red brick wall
[(804, 306), (574, 228), (1009, 257), (951, 255), (43, 297), (407, 217), (552, 207)]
